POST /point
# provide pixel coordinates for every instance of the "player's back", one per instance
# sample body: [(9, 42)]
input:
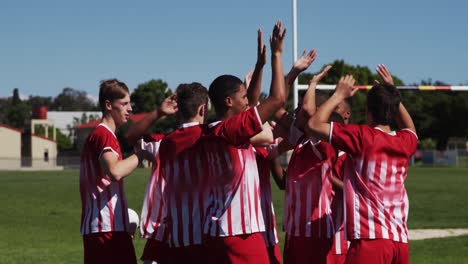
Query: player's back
[(184, 171), (309, 191), (376, 199)]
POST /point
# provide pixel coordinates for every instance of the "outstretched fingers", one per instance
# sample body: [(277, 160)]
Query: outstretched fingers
[(384, 73), (322, 74)]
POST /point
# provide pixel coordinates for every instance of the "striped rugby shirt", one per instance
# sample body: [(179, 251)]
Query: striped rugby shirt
[(376, 202), (103, 202)]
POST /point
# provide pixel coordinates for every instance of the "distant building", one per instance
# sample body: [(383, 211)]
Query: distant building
[(10, 150), (64, 120), (26, 150)]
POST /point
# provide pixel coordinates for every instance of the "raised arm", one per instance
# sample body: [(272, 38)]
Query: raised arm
[(308, 104), (318, 125), (136, 131), (277, 96), (403, 118), (255, 85), (299, 66)]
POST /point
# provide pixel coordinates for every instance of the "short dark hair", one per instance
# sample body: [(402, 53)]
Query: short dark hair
[(189, 97), (221, 88), (111, 90), (349, 103), (335, 117), (320, 98), (383, 101)]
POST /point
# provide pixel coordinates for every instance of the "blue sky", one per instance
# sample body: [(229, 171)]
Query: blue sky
[(48, 45)]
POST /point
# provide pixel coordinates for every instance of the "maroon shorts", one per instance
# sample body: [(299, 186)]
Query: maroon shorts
[(108, 247), (306, 249), (274, 254), (336, 258), (188, 254), (237, 249), (377, 251), (156, 251)]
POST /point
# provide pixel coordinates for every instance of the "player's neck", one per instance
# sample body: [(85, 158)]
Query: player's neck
[(226, 115), (196, 119), (109, 121), (384, 128)]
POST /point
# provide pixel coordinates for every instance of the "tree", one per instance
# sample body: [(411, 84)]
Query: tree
[(17, 112), (73, 100), (149, 95), (363, 76), (36, 101)]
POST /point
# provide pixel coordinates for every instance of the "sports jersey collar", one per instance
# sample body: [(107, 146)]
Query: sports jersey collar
[(190, 124), (391, 133), (108, 128), (213, 124)]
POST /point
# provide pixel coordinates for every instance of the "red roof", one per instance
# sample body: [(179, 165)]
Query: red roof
[(43, 137), (135, 118), (11, 128)]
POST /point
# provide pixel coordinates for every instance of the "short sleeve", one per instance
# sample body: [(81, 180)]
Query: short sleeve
[(238, 129), (106, 141), (410, 140), (151, 143), (347, 138), (339, 163)]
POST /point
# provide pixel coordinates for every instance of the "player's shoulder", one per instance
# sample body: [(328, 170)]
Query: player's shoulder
[(103, 129), (101, 132), (407, 132), (153, 137)]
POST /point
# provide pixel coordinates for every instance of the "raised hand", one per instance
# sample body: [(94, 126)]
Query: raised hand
[(261, 49), (305, 60), (316, 79), (168, 106), (345, 87), (248, 79), (277, 39), (385, 74)]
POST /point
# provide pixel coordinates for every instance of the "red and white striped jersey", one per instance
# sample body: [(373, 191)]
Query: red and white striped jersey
[(185, 171), (307, 209), (374, 174), (340, 244), (263, 162), (103, 202), (153, 212), (234, 203)]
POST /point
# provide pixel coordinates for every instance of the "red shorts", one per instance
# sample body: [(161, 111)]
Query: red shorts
[(240, 249), (336, 258), (306, 249), (188, 254), (108, 247), (156, 251), (377, 251), (274, 254)]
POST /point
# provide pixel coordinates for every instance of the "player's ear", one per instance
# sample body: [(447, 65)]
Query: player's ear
[(108, 105), (228, 101), (202, 110)]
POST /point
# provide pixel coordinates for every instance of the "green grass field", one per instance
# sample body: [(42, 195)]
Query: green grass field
[(40, 214)]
